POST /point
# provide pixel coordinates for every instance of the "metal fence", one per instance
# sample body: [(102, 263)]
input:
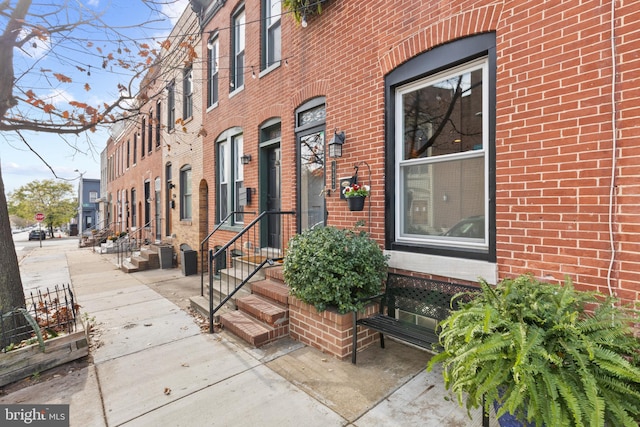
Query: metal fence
[(53, 310)]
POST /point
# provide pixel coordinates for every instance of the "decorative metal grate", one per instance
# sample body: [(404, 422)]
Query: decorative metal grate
[(424, 297), (54, 310)]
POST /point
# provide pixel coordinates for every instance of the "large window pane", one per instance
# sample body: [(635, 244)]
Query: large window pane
[(212, 95), (238, 49), (238, 175), (312, 180), (272, 33), (187, 96), (437, 196), (171, 105), (185, 191), (223, 196), (444, 117), (442, 156)]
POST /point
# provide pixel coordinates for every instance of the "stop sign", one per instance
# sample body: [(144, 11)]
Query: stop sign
[(39, 217)]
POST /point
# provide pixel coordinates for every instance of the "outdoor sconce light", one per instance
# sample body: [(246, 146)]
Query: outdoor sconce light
[(335, 144), (245, 159), (172, 185)]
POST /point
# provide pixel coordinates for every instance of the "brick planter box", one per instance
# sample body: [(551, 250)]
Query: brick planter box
[(328, 331), (23, 362)]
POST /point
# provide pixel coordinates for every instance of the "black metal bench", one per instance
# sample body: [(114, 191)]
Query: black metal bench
[(410, 309)]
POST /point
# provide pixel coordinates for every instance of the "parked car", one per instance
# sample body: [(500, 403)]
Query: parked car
[(471, 227), (37, 235)]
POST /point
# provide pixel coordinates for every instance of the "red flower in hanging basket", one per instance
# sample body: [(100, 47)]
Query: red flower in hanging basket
[(356, 190)]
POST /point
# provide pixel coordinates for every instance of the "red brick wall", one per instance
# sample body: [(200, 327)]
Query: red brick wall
[(328, 331), (554, 118)]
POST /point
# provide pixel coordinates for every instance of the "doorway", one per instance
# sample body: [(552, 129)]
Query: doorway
[(274, 196)]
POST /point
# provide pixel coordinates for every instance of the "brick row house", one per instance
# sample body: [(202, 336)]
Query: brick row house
[(154, 159), (498, 138)]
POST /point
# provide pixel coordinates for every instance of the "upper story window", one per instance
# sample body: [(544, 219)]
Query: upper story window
[(213, 47), (442, 142), (143, 134), (272, 11), (237, 50), (150, 132), (185, 192), (187, 93), (135, 148), (93, 196), (171, 105), (158, 122)]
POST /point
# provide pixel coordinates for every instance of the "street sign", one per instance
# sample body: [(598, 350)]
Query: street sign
[(39, 217)]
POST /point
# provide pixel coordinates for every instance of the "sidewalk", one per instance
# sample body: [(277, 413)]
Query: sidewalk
[(152, 366)]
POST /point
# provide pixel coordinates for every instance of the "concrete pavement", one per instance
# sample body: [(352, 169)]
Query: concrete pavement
[(151, 365)]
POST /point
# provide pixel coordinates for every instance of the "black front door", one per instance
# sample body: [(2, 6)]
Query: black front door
[(273, 197)]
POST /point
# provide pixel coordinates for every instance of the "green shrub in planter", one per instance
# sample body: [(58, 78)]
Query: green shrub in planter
[(546, 353), (326, 266)]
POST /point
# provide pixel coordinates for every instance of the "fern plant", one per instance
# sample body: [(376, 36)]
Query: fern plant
[(547, 354)]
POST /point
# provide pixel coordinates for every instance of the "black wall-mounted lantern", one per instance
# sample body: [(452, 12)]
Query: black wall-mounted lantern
[(335, 144), (245, 159)]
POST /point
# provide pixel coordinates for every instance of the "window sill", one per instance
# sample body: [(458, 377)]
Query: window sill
[(212, 107), (186, 221), (455, 268), (234, 228), (269, 69), (235, 92)]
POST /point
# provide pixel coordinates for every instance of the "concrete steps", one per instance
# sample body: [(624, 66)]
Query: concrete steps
[(147, 258)]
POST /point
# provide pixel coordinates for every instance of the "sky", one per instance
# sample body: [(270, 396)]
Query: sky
[(73, 156)]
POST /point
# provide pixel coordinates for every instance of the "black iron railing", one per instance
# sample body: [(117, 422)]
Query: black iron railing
[(54, 311), (235, 263)]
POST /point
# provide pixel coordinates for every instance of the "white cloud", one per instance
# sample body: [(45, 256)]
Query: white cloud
[(173, 9), (57, 97)]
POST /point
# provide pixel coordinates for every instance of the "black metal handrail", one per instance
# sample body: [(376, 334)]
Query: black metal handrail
[(133, 241), (206, 240), (248, 239)]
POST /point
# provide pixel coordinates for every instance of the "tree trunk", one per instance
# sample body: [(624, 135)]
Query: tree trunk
[(11, 292)]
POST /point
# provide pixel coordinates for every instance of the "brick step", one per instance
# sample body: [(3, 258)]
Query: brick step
[(272, 289), (249, 329), (275, 273), (140, 262), (264, 310), (152, 257), (128, 267)]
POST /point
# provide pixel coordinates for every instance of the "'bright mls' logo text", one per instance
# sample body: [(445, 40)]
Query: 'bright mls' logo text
[(34, 415)]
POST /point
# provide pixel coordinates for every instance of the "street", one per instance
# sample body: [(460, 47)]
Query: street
[(41, 275)]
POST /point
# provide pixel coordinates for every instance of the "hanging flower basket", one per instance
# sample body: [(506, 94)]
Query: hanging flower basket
[(356, 203)]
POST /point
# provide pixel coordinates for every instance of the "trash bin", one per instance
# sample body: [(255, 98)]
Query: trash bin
[(188, 260), (165, 253), (220, 261)]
